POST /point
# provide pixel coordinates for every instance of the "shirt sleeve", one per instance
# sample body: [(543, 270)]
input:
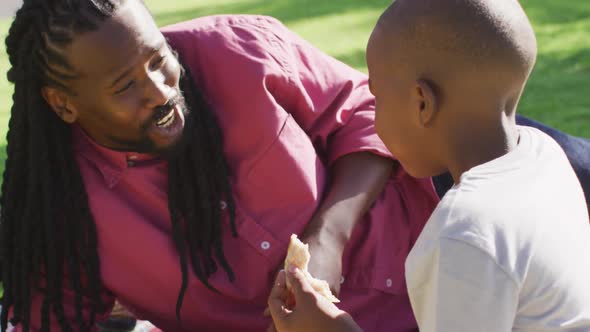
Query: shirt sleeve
[(69, 307), (329, 100), (458, 287)]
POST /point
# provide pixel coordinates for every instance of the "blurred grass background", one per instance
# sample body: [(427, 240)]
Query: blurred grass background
[(558, 93)]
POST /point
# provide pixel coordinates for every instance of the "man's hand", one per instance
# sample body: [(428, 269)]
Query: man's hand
[(311, 313)]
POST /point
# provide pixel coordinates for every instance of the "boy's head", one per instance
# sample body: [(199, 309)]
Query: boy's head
[(443, 70)]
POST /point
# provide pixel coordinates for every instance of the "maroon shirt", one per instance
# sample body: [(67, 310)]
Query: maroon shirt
[(287, 112)]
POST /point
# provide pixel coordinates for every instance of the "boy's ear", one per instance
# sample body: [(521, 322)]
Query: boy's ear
[(60, 103), (428, 102)]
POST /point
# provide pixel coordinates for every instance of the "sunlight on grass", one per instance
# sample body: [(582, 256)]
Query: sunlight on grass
[(557, 93), (5, 94), (343, 37)]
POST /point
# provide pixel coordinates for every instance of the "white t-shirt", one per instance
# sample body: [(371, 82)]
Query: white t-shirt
[(507, 249)]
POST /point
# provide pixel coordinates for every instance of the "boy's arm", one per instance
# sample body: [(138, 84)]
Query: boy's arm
[(458, 287)]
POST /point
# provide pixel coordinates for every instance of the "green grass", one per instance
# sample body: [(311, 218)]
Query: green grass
[(5, 95), (558, 93)]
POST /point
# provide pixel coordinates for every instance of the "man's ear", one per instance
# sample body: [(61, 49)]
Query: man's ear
[(60, 103), (428, 102)]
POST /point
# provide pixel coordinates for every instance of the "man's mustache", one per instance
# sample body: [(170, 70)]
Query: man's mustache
[(162, 110)]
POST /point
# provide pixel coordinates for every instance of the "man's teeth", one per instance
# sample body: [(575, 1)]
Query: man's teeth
[(167, 120)]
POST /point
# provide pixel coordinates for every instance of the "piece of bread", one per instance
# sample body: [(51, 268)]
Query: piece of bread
[(298, 255)]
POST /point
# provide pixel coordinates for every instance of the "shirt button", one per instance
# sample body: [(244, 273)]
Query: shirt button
[(389, 283), (223, 205), (265, 245), (341, 279)]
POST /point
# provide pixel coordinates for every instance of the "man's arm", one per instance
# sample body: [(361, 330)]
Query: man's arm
[(332, 103), (356, 182)]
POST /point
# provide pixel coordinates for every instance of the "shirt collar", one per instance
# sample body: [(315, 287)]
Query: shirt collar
[(110, 163)]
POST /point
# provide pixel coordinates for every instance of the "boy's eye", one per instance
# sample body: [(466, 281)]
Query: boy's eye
[(125, 88)]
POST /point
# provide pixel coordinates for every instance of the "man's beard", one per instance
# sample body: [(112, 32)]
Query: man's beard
[(145, 144)]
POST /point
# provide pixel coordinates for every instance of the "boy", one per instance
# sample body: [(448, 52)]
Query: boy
[(501, 252)]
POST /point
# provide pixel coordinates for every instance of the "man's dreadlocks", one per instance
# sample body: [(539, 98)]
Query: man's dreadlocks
[(46, 226)]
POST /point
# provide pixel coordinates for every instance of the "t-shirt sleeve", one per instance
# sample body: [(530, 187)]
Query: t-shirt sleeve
[(459, 287)]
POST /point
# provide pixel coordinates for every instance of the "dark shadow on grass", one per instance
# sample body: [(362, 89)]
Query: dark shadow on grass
[(555, 11), (566, 64), (285, 10)]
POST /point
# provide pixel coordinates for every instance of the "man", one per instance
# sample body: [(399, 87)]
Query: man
[(174, 188), (181, 207)]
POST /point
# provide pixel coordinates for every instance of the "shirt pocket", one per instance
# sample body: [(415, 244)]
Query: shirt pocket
[(384, 279), (386, 275), (375, 257), (255, 256), (289, 172), (260, 239)]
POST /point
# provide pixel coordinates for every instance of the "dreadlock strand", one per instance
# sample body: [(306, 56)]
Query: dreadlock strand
[(33, 199), (64, 239), (177, 235), (194, 156), (199, 201), (194, 231), (9, 186), (31, 213), (20, 234), (212, 191), (54, 229)]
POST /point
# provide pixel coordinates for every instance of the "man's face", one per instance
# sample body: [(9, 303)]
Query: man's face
[(127, 95)]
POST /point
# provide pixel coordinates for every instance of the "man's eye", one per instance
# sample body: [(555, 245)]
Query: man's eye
[(158, 62), (125, 88)]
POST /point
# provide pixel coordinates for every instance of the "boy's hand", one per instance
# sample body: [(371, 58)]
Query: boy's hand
[(311, 313)]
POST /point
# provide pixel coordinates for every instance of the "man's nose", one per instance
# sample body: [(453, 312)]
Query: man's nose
[(157, 92)]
